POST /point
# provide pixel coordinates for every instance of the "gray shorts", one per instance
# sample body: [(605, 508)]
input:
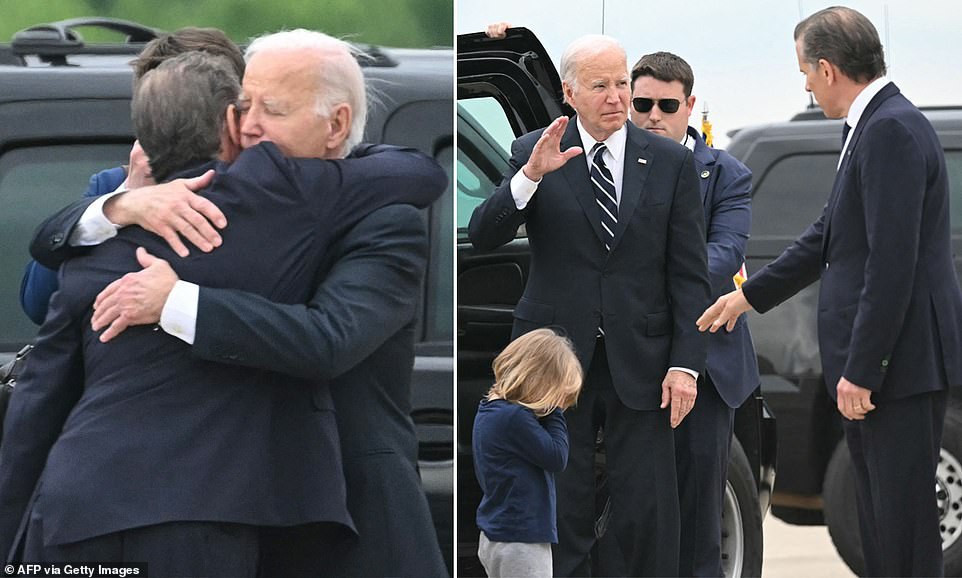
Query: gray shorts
[(514, 559)]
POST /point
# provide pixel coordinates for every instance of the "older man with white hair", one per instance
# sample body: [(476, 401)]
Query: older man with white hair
[(304, 91), (618, 261)]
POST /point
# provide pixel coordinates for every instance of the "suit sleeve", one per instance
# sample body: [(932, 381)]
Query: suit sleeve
[(892, 177), (371, 292), (51, 384), (496, 221), (730, 219), (687, 270)]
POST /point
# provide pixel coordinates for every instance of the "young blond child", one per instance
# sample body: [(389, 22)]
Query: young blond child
[(520, 441)]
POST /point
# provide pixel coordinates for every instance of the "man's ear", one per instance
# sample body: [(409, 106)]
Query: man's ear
[(230, 136), (828, 70), (690, 101), (340, 120), (566, 91), (233, 124)]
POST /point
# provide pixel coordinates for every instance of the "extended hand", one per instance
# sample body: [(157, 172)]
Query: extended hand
[(680, 390), (546, 156), (134, 299), (853, 401), (171, 210), (725, 312)]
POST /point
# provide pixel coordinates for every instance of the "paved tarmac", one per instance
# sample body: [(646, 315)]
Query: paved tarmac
[(800, 552)]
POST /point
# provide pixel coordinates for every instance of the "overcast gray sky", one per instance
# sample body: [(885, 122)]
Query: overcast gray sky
[(742, 51)]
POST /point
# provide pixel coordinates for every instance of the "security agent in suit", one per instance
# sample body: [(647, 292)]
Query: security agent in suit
[(162, 452), (625, 290), (890, 310), (662, 102), (355, 334)]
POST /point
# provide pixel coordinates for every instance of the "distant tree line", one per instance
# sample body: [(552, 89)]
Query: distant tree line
[(402, 23)]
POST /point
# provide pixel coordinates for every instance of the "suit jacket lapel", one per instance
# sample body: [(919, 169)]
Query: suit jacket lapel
[(704, 161), (637, 160), (579, 181), (888, 91)]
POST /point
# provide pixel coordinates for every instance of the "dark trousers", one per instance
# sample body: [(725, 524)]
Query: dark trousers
[(895, 451), (172, 549), (702, 447), (640, 462), (210, 549)]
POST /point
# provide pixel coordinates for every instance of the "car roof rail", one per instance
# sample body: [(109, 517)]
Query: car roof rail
[(54, 41)]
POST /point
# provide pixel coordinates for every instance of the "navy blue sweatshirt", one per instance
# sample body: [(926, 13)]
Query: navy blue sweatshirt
[(515, 458)]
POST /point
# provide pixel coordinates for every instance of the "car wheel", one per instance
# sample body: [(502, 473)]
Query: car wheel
[(741, 545), (948, 491), (840, 510)]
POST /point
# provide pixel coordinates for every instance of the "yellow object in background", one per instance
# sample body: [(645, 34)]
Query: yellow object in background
[(706, 126), (741, 276)]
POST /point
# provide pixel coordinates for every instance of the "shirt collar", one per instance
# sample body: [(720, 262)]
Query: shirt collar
[(861, 101), (689, 140), (615, 142)]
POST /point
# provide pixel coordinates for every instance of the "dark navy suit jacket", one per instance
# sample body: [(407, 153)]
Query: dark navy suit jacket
[(152, 434), (647, 291), (889, 307), (726, 186), (356, 334)]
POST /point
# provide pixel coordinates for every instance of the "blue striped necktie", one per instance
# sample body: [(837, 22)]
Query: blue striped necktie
[(604, 186)]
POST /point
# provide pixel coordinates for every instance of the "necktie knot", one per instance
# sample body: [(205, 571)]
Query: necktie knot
[(598, 151)]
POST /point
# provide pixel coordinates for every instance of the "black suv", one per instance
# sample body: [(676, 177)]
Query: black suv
[(793, 165), (65, 114), (507, 88)]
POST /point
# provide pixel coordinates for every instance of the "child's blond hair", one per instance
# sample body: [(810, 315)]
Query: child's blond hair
[(538, 370)]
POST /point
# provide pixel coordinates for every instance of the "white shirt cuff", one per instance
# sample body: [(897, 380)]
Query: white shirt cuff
[(179, 316), (522, 189), (94, 228), (690, 372)]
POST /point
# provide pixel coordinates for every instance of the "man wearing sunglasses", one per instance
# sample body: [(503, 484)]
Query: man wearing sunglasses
[(662, 103)]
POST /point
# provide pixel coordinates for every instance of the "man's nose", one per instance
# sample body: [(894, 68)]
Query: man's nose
[(249, 124)]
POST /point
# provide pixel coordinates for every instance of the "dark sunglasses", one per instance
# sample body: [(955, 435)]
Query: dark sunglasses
[(667, 105)]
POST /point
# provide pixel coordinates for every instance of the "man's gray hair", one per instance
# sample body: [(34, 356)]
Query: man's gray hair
[(178, 110), (340, 80), (584, 47)]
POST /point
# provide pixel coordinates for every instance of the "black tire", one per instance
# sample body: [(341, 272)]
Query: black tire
[(741, 519), (949, 490), (842, 518), (841, 514)]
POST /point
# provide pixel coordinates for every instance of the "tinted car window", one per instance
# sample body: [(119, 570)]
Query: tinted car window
[(439, 318), (791, 194), (484, 138), (35, 182)]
